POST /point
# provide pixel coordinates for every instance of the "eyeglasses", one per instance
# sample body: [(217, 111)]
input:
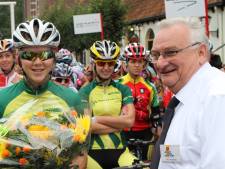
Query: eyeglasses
[(28, 55), (61, 80), (169, 52), (103, 63)]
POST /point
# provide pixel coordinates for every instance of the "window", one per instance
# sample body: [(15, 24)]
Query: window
[(149, 38)]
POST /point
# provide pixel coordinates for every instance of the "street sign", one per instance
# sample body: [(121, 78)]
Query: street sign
[(87, 23), (175, 8)]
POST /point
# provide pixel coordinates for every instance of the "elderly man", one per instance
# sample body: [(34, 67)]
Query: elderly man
[(194, 138)]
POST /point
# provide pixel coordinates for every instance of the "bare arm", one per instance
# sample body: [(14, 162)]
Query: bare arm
[(125, 120), (98, 128)]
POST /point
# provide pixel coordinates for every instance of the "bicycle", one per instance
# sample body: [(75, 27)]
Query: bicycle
[(138, 144), (138, 165)]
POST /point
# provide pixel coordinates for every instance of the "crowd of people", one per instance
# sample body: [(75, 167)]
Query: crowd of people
[(128, 93)]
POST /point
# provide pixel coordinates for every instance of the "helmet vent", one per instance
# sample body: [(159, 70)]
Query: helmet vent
[(45, 36), (7, 46), (15, 39), (50, 26), (22, 26), (36, 27), (26, 35), (56, 39)]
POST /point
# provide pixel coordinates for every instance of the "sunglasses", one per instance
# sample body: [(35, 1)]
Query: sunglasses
[(61, 80), (45, 55), (103, 63)]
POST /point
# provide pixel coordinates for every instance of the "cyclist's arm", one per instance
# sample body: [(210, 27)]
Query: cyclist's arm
[(156, 117), (98, 128), (125, 120)]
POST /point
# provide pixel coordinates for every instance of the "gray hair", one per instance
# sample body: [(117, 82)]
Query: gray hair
[(196, 27)]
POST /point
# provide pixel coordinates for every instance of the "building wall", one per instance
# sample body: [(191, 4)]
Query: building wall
[(216, 30), (31, 8)]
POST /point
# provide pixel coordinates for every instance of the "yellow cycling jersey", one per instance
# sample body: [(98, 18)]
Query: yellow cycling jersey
[(107, 101)]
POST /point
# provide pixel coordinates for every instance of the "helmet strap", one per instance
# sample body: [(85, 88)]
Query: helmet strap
[(9, 71)]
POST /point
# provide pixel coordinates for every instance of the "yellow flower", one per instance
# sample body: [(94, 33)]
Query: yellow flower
[(41, 114), (24, 119), (2, 148), (82, 128), (39, 131)]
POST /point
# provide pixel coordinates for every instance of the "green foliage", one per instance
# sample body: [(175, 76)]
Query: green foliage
[(5, 25), (112, 11)]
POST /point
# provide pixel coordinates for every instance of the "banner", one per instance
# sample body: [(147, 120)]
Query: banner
[(88, 23), (175, 8)]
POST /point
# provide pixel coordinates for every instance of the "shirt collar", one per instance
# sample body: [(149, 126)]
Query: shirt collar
[(192, 87), (36, 91), (128, 76)]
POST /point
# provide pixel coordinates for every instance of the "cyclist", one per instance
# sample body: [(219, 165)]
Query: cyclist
[(112, 108), (117, 70), (89, 73), (37, 42), (7, 63), (66, 57), (62, 75), (145, 96)]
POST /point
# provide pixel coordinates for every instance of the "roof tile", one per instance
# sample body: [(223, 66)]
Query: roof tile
[(140, 9)]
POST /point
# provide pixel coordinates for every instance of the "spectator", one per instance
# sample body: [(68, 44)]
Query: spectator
[(216, 61), (195, 135)]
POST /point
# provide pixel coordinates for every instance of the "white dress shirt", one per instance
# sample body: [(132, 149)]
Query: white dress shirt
[(199, 122)]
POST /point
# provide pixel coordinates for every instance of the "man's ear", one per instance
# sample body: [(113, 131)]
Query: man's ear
[(203, 54)]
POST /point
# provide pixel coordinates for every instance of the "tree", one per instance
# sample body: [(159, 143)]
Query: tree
[(112, 11), (5, 27)]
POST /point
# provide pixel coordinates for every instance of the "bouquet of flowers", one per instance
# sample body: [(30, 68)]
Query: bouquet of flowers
[(42, 139)]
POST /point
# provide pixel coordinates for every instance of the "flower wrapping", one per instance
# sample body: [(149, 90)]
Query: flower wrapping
[(42, 139)]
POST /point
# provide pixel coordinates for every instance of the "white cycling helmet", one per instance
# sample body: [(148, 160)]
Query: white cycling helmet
[(36, 33), (65, 56), (62, 70), (6, 45), (117, 66)]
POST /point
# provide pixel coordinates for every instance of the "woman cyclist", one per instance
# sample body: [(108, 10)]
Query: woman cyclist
[(112, 108), (7, 63), (37, 42)]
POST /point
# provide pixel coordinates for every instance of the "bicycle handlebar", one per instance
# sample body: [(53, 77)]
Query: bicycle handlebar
[(140, 142), (135, 166)]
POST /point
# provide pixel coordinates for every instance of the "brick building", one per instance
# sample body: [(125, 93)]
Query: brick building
[(144, 14)]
